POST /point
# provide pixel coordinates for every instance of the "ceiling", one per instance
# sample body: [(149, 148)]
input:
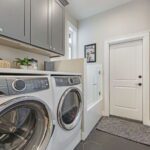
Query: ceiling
[(81, 9)]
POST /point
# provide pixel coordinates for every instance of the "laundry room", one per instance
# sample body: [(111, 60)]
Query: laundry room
[(74, 75)]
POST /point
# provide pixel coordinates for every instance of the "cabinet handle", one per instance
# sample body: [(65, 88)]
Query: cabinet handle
[(54, 49), (1, 29)]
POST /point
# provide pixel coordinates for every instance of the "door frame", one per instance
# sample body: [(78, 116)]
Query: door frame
[(145, 37)]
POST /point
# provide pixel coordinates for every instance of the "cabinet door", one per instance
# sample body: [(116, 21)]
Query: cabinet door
[(40, 16), (15, 19), (58, 27)]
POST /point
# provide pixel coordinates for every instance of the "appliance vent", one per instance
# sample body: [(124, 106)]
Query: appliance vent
[(64, 2)]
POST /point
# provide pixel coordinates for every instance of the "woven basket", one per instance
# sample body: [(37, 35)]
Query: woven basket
[(4, 64)]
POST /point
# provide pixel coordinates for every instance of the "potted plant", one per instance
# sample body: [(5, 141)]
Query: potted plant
[(23, 63)]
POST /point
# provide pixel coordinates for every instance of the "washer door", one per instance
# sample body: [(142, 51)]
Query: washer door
[(25, 124), (70, 109)]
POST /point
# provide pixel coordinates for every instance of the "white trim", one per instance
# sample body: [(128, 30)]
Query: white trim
[(75, 31), (146, 74)]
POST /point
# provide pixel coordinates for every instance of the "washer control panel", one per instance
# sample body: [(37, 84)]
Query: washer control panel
[(19, 85), (14, 86), (67, 80)]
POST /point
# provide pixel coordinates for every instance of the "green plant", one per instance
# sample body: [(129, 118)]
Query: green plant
[(24, 61)]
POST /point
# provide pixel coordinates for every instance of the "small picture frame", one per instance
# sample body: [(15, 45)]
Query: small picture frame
[(90, 53)]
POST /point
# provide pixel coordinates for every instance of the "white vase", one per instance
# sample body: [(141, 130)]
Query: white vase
[(23, 67)]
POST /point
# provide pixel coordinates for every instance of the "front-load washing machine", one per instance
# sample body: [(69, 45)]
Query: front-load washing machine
[(26, 117), (67, 96)]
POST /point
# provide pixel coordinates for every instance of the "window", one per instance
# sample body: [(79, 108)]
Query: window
[(71, 41)]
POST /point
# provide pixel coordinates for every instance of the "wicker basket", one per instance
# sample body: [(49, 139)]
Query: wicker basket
[(4, 64)]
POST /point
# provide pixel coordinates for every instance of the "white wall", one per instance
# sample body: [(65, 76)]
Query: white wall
[(10, 54), (71, 19), (129, 18)]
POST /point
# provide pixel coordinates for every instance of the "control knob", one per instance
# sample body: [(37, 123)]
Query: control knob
[(19, 85), (71, 81)]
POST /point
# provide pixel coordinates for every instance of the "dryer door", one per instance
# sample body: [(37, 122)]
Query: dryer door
[(70, 109), (25, 124)]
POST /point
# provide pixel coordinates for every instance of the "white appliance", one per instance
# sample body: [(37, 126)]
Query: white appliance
[(93, 96), (92, 81), (67, 96), (26, 117)]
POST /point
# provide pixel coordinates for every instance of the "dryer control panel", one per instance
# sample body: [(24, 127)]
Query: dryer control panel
[(67, 80), (14, 86)]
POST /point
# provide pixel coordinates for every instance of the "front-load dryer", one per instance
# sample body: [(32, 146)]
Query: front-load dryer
[(26, 113), (67, 96)]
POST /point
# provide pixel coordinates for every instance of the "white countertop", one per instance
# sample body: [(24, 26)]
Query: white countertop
[(34, 72)]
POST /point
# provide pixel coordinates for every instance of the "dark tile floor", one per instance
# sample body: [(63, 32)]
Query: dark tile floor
[(98, 140)]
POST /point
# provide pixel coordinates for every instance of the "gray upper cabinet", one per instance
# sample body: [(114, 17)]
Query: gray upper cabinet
[(40, 23), (58, 27), (15, 19)]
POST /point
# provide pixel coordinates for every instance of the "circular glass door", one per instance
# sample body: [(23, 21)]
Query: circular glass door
[(69, 109), (24, 125)]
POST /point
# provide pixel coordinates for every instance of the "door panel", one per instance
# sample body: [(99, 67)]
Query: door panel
[(57, 27), (120, 99), (40, 16), (125, 68), (15, 19), (93, 84)]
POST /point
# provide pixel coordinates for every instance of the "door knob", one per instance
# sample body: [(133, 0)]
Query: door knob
[(140, 76), (140, 84)]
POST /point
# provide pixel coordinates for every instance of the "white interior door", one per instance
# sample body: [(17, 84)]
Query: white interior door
[(126, 79)]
